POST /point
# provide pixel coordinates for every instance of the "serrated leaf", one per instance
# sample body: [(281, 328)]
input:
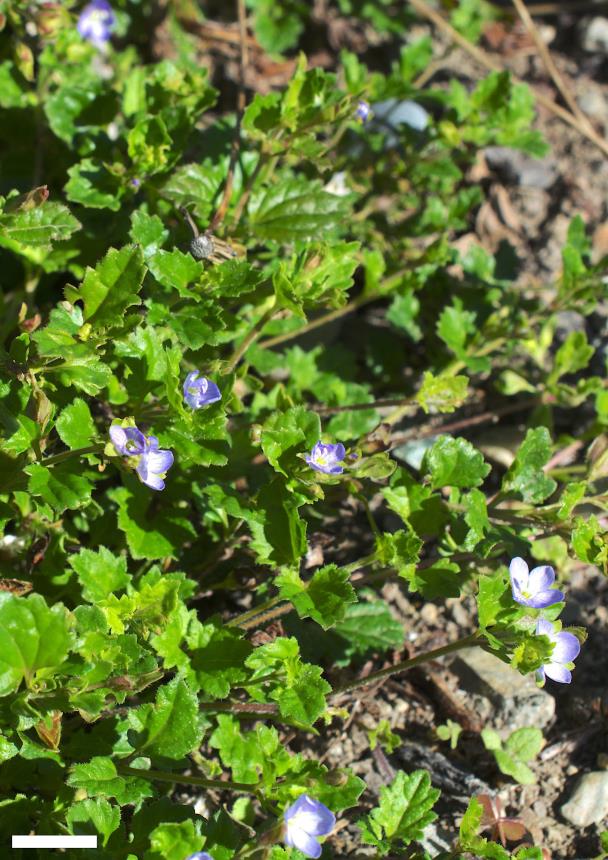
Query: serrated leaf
[(33, 637), (176, 271), (324, 599), (99, 778), (170, 727), (111, 287), (91, 185), (286, 434), (442, 393), (404, 811), (75, 425), (97, 816), (100, 572), (61, 486), (455, 463), (151, 535), (40, 225), (296, 208), (526, 475), (218, 658), (370, 627)]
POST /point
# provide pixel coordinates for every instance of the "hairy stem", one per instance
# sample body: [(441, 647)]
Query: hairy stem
[(458, 645), (67, 455), (181, 779)]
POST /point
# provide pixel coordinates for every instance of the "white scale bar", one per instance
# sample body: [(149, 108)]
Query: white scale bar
[(54, 842)]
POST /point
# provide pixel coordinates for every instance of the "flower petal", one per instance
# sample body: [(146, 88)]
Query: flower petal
[(339, 451), (307, 844), (543, 599), (541, 578), (119, 438), (567, 648), (518, 571), (160, 461), (558, 673), (545, 628)]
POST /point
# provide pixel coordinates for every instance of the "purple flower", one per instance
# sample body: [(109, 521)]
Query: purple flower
[(327, 458), (135, 182), (566, 648), (154, 464), (200, 855), (95, 22), (305, 820), (534, 588), (128, 441), (363, 111), (200, 391)]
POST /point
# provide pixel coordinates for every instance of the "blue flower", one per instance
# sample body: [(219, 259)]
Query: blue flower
[(534, 588), (200, 391), (95, 22), (363, 111), (566, 648), (128, 441), (200, 855), (153, 462), (327, 458), (305, 820)]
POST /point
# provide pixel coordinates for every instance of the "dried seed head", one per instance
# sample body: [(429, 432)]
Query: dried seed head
[(201, 247)]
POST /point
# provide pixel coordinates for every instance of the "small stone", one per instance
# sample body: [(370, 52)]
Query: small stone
[(429, 614), (517, 699), (517, 168), (595, 35), (201, 247), (588, 803)]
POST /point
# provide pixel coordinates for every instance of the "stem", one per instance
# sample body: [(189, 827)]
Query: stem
[(238, 620), (458, 645), (77, 452), (354, 305), (321, 409), (241, 100), (250, 338), (180, 779)]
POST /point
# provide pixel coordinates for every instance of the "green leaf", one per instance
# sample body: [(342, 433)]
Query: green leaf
[(176, 271), (469, 840), (40, 225), (111, 287), (151, 532), (173, 840), (404, 811), (149, 145), (100, 573), (286, 434), (296, 208), (279, 536), (75, 425), (148, 231), (12, 93), (33, 637), (99, 778), (324, 599), (401, 551), (92, 185), (61, 486), (303, 700), (93, 816), (573, 355), (454, 463), (169, 728), (526, 475), (369, 626), (442, 393), (218, 658)]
